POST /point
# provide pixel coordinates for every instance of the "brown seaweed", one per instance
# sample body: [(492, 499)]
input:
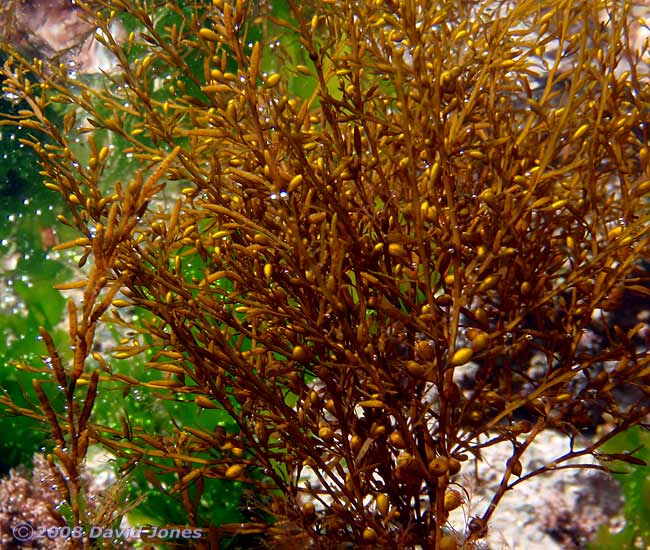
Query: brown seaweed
[(360, 274)]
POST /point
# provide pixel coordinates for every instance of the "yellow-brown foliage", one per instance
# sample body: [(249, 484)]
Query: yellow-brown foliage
[(418, 192)]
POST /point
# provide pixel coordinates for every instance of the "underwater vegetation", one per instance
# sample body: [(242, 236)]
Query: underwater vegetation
[(27, 299), (334, 265), (634, 481)]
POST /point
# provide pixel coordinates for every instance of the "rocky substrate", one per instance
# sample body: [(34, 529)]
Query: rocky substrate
[(560, 510)]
